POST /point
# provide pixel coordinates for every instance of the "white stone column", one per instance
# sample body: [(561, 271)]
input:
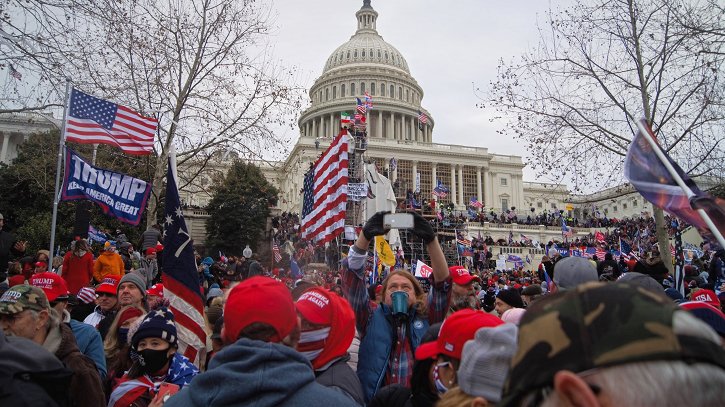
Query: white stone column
[(478, 184), (389, 128), (307, 128), (425, 133), (333, 126), (461, 200), (401, 133), (494, 197), (379, 132), (4, 151), (314, 127), (454, 197), (434, 176)]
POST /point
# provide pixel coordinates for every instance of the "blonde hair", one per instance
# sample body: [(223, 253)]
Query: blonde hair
[(421, 299), (111, 345), (455, 397)]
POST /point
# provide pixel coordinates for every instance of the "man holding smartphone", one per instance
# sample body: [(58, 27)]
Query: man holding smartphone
[(390, 335)]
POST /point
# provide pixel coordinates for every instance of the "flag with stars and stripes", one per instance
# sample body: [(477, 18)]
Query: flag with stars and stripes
[(92, 120), (181, 279), (275, 250), (15, 74), (625, 249), (422, 117), (475, 203), (325, 194), (360, 106), (441, 190), (368, 101)]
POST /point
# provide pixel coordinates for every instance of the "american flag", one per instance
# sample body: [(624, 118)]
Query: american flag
[(441, 190), (325, 194), (370, 258), (625, 249), (92, 120), (15, 74), (510, 214), (368, 101), (360, 121), (463, 241), (600, 253), (524, 238), (475, 203), (422, 117), (360, 106), (566, 230), (275, 250), (181, 279)]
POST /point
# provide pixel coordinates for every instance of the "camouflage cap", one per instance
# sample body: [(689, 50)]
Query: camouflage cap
[(598, 325), (23, 297)]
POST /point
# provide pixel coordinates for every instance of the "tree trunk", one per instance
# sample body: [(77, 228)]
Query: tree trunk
[(663, 237), (158, 182)]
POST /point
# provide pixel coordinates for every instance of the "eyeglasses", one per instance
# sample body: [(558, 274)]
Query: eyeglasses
[(102, 294)]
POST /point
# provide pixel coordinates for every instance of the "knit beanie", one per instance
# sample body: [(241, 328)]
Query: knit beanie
[(136, 279), (511, 297), (214, 292), (157, 324), (213, 313)]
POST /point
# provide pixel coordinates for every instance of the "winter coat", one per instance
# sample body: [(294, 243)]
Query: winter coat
[(77, 271), (259, 374), (86, 387), (107, 263), (7, 243), (341, 377), (89, 343), (148, 269), (149, 239)]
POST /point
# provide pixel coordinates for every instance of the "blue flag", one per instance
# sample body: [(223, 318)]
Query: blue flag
[(294, 268)]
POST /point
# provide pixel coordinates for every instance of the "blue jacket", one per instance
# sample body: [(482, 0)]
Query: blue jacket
[(90, 343), (259, 374), (377, 345)]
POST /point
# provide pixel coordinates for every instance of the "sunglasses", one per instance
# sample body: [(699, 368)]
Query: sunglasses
[(102, 294)]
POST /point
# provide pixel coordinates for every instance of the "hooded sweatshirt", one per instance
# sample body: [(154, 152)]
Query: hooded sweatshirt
[(271, 374), (107, 263)]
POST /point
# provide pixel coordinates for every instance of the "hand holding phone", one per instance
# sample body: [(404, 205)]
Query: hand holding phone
[(169, 388), (398, 220)]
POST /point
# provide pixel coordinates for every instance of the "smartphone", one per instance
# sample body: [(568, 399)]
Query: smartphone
[(168, 388), (398, 221)]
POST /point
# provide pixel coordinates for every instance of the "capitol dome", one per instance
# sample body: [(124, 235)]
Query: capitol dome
[(366, 64)]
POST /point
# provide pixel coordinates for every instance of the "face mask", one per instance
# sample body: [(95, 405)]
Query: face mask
[(312, 342), (153, 360), (439, 386), (123, 335)]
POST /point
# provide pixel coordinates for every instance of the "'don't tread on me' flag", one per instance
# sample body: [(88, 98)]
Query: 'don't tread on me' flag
[(92, 120), (324, 201), (181, 279)]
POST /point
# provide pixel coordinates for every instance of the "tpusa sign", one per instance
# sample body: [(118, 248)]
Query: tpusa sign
[(119, 195)]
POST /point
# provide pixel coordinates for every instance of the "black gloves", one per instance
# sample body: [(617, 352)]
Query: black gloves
[(374, 226), (422, 228)]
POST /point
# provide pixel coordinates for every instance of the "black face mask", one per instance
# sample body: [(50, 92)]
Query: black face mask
[(153, 360)]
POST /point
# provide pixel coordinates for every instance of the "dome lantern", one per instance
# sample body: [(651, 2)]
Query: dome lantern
[(366, 18)]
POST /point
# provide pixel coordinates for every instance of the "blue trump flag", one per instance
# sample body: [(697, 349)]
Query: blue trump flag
[(119, 195), (181, 279)]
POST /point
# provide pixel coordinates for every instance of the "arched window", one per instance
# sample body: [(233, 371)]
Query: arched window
[(386, 55), (406, 95), (363, 53), (382, 89), (335, 58), (348, 54), (362, 88), (371, 53), (327, 94), (342, 91), (400, 93), (372, 88), (392, 91), (334, 92), (352, 89), (378, 53), (355, 54)]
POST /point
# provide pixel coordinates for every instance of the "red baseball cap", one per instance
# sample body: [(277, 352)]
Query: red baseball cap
[(41, 263), (259, 299), (52, 284), (16, 280), (708, 297), (150, 250), (159, 247), (461, 276), (378, 289), (109, 285), (455, 332), (314, 306), (156, 289)]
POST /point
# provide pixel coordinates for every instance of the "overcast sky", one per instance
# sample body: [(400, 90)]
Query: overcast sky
[(451, 48)]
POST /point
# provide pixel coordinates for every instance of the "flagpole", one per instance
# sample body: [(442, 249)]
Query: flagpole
[(680, 182), (60, 161)]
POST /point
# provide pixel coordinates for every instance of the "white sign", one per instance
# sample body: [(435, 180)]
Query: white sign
[(423, 270), (357, 192), (501, 265), (417, 183)]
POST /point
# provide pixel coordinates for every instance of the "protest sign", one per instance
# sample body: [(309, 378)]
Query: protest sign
[(357, 191)]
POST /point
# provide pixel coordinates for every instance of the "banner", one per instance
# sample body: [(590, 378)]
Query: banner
[(385, 253), (119, 195), (357, 192), (96, 235), (417, 183)]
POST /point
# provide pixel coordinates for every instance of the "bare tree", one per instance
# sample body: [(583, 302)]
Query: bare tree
[(600, 66), (202, 67)]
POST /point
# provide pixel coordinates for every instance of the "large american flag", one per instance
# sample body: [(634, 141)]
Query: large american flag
[(325, 194), (181, 279), (475, 203), (275, 250), (422, 117), (92, 120), (441, 190), (360, 106)]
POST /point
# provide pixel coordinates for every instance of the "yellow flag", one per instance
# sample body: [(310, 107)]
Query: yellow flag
[(385, 253)]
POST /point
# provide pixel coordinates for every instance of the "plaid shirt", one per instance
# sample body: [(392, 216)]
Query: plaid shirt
[(400, 365)]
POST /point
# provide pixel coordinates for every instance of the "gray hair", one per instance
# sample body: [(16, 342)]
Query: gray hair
[(648, 384)]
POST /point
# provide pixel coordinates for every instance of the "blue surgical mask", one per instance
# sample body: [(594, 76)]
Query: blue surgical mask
[(123, 335)]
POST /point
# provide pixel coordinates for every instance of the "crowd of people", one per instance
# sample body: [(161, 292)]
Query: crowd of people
[(574, 332)]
